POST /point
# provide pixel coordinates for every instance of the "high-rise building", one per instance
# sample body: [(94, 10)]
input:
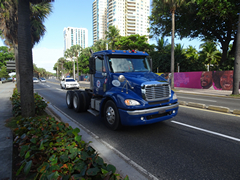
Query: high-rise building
[(73, 36), (99, 9), (129, 16)]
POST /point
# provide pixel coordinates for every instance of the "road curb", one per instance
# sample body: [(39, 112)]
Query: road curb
[(219, 108), (210, 107), (236, 111), (182, 103), (198, 105)]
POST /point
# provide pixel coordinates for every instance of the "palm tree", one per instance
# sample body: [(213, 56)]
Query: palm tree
[(173, 4), (25, 44), (70, 54), (112, 35), (61, 61), (76, 49), (210, 53), (191, 53), (100, 45), (9, 25), (16, 27)]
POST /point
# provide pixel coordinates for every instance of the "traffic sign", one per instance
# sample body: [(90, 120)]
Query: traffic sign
[(11, 65)]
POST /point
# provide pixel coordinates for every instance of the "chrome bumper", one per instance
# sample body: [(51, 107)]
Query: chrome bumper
[(153, 110)]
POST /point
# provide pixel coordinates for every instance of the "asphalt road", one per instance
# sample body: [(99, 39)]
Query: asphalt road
[(196, 144), (210, 100)]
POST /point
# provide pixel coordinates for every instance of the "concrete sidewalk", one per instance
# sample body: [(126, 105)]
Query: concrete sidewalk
[(6, 137)]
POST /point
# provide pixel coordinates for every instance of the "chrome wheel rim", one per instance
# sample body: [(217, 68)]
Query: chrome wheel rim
[(75, 102), (110, 115), (68, 99)]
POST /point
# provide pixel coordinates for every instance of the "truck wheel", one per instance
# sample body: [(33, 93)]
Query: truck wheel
[(69, 99), (86, 100), (61, 86), (111, 116), (78, 103)]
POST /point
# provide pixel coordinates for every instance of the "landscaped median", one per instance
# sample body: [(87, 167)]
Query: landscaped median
[(48, 149), (210, 107)]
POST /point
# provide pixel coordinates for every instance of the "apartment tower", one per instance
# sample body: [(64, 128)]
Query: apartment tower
[(129, 16), (99, 19), (73, 36)]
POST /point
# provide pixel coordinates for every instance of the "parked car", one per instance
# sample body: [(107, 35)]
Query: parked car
[(68, 83), (43, 80), (35, 80), (3, 79)]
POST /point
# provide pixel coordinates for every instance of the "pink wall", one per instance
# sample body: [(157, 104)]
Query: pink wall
[(218, 80)]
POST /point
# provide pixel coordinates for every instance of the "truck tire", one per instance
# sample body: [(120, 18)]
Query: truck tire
[(111, 116), (69, 99), (78, 103), (61, 86), (86, 101)]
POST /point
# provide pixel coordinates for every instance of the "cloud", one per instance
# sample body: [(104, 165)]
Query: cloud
[(46, 58)]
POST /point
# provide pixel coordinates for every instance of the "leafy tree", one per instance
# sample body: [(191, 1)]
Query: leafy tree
[(135, 42), (3, 72), (61, 62), (84, 60), (171, 5), (161, 56), (192, 61), (70, 54), (204, 19), (210, 55), (76, 49), (5, 55), (112, 35), (100, 45)]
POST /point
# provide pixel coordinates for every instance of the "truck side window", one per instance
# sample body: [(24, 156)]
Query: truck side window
[(99, 64)]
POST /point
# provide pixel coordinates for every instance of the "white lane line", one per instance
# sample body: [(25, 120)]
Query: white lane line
[(48, 86), (197, 99), (60, 89), (207, 131)]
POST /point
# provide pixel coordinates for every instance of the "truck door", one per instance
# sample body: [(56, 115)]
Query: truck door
[(100, 76)]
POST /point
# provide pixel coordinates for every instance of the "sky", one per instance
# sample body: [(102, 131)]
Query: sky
[(71, 13)]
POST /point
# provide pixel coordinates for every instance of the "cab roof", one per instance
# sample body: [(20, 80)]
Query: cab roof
[(121, 52)]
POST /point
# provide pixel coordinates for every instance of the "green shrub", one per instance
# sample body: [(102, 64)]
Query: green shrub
[(54, 150), (40, 104)]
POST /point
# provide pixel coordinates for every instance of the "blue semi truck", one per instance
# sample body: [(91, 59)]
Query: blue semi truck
[(124, 90)]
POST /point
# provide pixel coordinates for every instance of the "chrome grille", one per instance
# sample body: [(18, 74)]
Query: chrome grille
[(156, 92)]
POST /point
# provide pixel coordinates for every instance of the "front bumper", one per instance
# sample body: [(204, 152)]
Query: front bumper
[(72, 86), (148, 116)]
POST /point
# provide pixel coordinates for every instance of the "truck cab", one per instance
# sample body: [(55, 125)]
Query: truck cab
[(124, 90)]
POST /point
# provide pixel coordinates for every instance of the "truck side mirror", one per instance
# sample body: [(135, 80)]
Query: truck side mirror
[(92, 67)]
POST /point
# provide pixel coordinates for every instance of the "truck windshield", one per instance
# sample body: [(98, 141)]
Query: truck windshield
[(128, 64)]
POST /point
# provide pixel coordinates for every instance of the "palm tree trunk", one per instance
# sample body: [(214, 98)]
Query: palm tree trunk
[(17, 68), (172, 50), (236, 73), (74, 69), (77, 71), (25, 59)]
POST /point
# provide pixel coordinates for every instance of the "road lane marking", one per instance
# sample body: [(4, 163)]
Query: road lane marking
[(48, 86), (197, 99), (60, 89), (207, 131)]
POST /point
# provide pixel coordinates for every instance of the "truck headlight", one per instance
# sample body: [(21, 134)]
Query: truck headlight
[(131, 102), (174, 96)]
